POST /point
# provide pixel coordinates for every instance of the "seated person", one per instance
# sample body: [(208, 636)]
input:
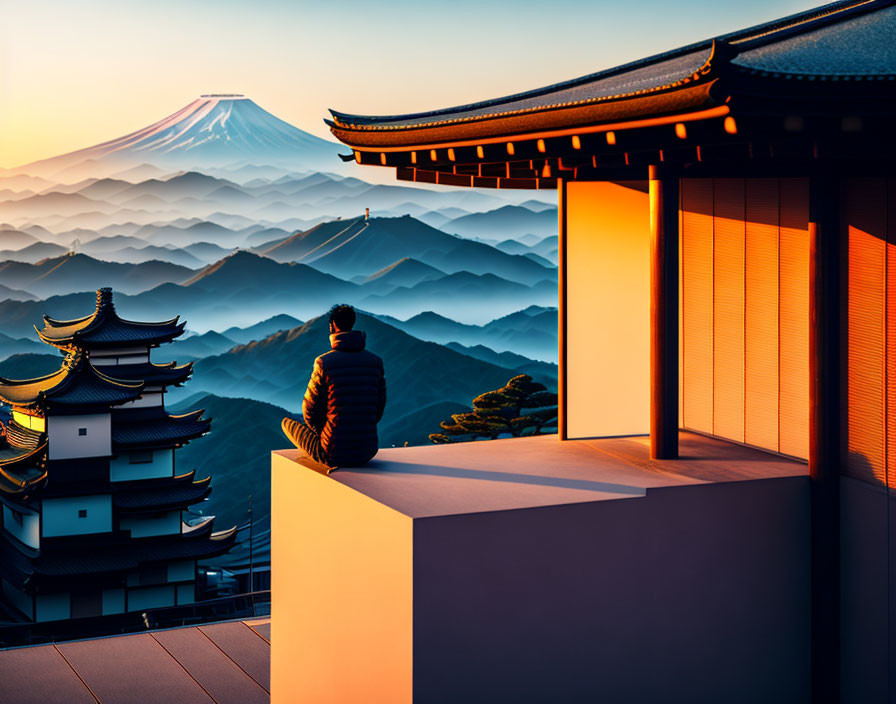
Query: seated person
[(344, 401)]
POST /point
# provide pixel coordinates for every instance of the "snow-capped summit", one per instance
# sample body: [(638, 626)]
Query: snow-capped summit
[(213, 130)]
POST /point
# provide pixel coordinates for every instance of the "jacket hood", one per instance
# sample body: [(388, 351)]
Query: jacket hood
[(350, 341)]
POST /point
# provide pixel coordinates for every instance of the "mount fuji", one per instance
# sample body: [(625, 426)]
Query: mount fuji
[(218, 130)]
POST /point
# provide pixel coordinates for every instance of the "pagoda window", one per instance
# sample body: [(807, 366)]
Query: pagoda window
[(74, 437), (63, 516), (36, 423), (146, 464)]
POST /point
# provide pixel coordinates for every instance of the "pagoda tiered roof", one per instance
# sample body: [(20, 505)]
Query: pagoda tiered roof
[(22, 453), (77, 384), (105, 329), (21, 471), (158, 429), (23, 564), (153, 374), (178, 492)]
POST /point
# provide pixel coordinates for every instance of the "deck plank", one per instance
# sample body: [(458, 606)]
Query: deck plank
[(222, 678), (515, 473), (244, 647), (132, 669), (40, 675)]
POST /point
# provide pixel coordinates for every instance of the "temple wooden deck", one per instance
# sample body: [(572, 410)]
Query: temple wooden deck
[(540, 471), (219, 663)]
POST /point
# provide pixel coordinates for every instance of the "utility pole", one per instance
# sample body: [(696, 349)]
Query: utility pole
[(251, 578)]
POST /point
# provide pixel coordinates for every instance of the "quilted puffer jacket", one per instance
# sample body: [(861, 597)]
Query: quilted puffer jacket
[(345, 400)]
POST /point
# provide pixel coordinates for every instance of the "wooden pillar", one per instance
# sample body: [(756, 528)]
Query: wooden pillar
[(561, 310), (664, 190), (824, 430)]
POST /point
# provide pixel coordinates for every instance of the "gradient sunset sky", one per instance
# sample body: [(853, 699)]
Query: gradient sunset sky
[(73, 74)]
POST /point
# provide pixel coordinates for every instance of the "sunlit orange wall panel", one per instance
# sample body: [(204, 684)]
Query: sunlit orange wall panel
[(728, 308), (697, 305), (794, 317), (891, 332), (745, 311), (338, 639), (761, 314), (866, 227), (608, 310)]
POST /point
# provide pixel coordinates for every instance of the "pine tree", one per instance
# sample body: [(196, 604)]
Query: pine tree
[(521, 407)]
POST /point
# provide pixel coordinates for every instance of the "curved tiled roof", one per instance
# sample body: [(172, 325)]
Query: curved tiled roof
[(863, 46), (852, 38), (163, 497), (77, 383), (160, 431), (21, 469), (104, 328), (150, 373), (606, 85), (23, 563)]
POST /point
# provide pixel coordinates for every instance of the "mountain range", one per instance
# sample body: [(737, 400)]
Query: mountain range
[(245, 226), (419, 373)]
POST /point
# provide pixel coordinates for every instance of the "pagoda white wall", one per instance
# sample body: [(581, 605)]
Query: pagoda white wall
[(607, 310), (150, 597), (122, 469), (184, 571), (66, 442), (28, 531), (186, 593), (147, 400), (53, 607), (113, 601), (167, 524), (60, 516), (130, 355)]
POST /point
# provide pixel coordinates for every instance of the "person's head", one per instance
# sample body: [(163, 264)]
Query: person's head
[(342, 318)]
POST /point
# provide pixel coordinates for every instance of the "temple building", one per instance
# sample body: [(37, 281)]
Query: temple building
[(727, 317), (93, 505)]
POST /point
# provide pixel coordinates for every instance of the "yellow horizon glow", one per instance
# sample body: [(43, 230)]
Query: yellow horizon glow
[(73, 75)]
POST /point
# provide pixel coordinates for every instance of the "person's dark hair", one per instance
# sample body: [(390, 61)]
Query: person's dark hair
[(342, 317)]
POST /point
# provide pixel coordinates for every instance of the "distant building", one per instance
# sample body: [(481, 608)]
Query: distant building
[(92, 502)]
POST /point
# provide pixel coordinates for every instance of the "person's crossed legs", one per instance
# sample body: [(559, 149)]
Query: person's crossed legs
[(305, 438)]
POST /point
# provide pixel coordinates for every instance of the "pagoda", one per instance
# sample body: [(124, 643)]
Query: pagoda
[(92, 504)]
